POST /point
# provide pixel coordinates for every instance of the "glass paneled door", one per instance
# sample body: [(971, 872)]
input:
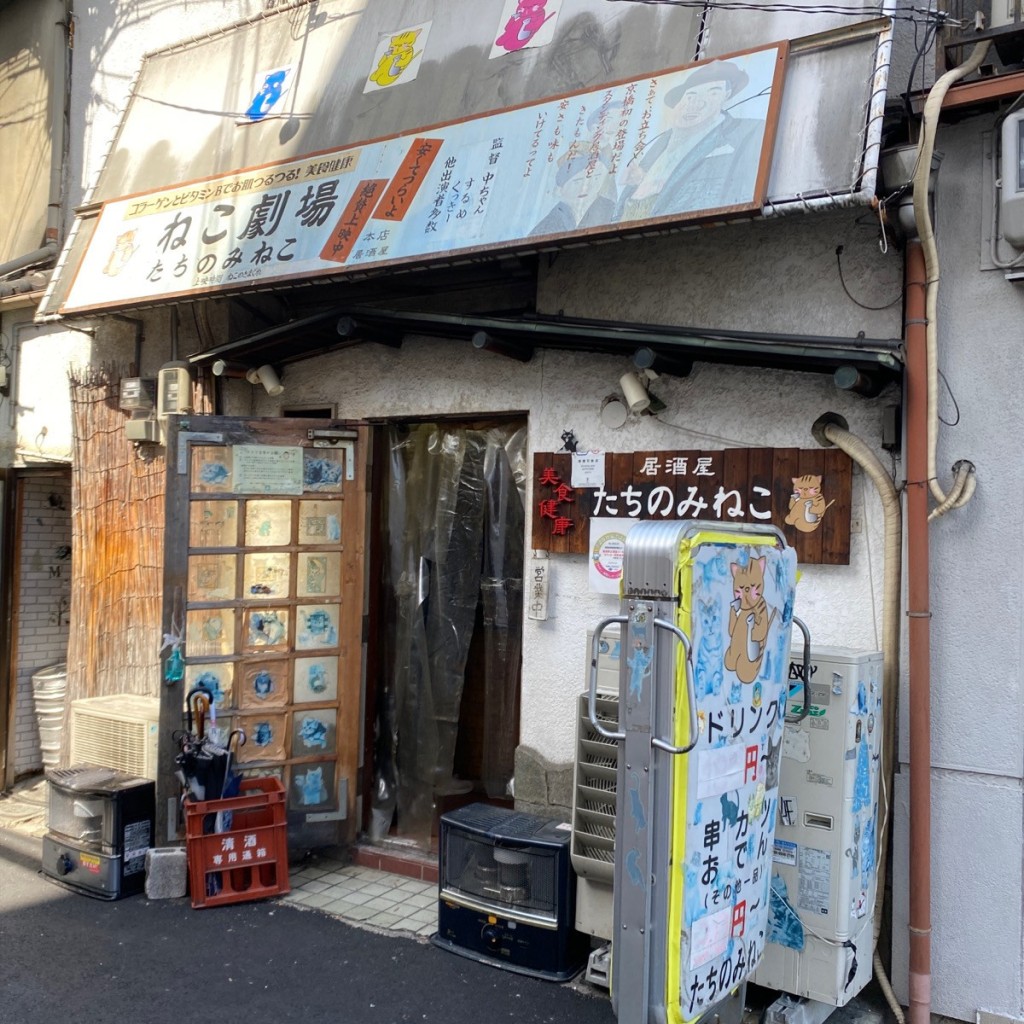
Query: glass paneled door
[(264, 594)]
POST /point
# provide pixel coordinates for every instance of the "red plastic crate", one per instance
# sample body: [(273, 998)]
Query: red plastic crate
[(247, 861)]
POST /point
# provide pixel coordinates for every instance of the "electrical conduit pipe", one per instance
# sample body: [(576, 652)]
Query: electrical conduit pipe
[(831, 430)]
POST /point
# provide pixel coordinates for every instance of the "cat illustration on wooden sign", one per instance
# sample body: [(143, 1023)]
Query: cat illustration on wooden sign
[(749, 620), (807, 504)]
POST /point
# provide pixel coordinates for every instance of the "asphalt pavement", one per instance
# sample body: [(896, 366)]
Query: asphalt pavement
[(67, 958)]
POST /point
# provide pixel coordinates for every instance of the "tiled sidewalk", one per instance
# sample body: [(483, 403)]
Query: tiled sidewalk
[(366, 896)]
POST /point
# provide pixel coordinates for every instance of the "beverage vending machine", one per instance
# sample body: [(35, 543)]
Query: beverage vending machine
[(705, 622)]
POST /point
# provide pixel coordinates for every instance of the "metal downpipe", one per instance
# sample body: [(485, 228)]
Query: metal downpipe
[(919, 633)]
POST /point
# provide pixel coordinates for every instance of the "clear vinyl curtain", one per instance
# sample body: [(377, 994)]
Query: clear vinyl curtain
[(455, 515)]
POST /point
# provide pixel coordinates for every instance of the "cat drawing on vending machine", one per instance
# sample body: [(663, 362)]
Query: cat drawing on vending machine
[(749, 620), (807, 503)]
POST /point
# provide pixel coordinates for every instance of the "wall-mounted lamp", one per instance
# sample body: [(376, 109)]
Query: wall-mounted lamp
[(267, 376)]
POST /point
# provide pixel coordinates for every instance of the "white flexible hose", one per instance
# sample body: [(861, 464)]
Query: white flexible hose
[(862, 454), (922, 172)]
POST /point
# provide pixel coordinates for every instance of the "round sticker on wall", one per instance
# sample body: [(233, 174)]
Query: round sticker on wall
[(608, 553)]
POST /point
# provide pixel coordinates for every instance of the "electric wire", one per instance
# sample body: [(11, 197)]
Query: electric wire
[(950, 423), (905, 13), (849, 294), (708, 437), (929, 37)]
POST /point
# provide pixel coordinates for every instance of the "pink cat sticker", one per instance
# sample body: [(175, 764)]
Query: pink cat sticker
[(526, 23)]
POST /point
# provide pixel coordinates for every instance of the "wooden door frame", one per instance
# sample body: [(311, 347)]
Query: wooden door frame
[(183, 433)]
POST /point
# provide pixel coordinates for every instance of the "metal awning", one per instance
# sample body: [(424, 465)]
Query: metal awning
[(866, 363)]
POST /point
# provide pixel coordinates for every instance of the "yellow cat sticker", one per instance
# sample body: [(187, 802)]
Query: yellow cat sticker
[(807, 505), (397, 58)]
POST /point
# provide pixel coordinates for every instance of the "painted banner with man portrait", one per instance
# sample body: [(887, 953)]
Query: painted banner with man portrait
[(688, 144)]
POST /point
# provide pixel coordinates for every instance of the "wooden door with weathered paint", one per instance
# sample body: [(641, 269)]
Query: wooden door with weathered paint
[(264, 594)]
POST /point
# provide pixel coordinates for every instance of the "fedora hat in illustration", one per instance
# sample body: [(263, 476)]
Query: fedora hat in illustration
[(717, 71)]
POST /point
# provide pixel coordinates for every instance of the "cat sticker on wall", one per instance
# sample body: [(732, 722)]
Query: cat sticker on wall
[(807, 505), (525, 23), (397, 57), (750, 618)]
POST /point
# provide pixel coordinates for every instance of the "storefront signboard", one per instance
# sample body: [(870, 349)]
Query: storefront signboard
[(804, 492), (689, 144)]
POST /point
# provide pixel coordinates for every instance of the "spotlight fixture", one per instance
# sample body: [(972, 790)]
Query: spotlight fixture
[(634, 390), (267, 376), (614, 412)]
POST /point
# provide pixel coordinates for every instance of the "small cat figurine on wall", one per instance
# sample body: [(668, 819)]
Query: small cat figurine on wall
[(807, 503), (749, 620)]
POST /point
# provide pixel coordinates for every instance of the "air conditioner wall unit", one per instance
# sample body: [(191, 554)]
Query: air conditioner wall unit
[(118, 731)]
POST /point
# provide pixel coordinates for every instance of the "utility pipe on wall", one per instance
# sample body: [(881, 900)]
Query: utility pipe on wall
[(919, 632), (831, 429)]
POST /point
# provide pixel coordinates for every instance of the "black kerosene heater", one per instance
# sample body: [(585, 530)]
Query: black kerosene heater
[(507, 892), (100, 823)]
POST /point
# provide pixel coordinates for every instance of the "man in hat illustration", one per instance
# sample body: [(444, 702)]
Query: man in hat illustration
[(706, 159), (584, 182)]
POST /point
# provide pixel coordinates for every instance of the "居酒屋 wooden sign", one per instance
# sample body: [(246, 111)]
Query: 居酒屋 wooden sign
[(804, 492)]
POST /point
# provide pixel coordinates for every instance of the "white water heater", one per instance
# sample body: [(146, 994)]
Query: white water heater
[(825, 863)]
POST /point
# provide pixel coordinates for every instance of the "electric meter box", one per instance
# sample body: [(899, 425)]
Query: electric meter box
[(825, 861), (174, 390), (1011, 175), (138, 394)]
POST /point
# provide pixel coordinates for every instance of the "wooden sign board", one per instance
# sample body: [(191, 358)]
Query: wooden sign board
[(804, 492)]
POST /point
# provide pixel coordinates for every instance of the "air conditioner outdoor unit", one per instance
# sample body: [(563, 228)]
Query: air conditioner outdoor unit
[(594, 796), (119, 731)]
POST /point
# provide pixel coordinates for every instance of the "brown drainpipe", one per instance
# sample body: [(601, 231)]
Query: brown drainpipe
[(919, 631)]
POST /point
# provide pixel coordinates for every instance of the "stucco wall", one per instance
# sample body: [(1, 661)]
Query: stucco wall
[(977, 718), (716, 407)]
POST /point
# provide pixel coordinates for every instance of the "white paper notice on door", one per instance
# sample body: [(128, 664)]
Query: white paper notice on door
[(709, 937), (720, 770)]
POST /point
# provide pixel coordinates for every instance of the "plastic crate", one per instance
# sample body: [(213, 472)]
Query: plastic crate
[(248, 860)]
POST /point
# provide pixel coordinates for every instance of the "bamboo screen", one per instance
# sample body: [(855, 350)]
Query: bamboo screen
[(117, 548)]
